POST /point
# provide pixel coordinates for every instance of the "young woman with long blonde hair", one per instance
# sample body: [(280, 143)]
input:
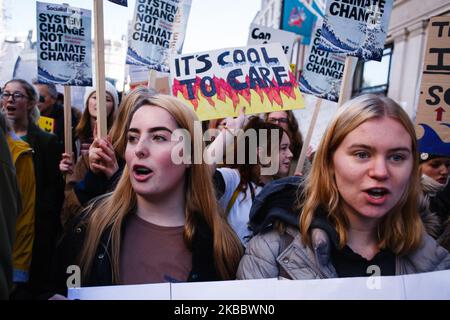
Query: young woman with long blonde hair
[(360, 206), (161, 223)]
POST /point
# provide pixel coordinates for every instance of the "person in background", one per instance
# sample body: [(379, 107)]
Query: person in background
[(435, 209), (161, 223), (238, 183), (19, 103), (49, 107), (104, 162), (22, 157), (88, 123), (286, 120), (359, 207)]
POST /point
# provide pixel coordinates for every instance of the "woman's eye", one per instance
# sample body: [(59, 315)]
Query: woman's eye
[(362, 155), (132, 138), (159, 138), (397, 157)]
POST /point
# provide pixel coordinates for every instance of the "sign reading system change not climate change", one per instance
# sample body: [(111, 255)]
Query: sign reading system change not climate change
[(64, 45), (157, 31)]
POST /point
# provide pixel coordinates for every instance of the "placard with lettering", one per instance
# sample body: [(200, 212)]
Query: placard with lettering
[(64, 45)]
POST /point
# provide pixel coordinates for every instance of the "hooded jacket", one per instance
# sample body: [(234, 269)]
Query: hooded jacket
[(270, 255)]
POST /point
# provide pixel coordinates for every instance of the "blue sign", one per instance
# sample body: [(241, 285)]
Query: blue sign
[(299, 19)]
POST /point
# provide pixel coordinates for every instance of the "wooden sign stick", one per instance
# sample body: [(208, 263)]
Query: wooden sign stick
[(67, 120), (298, 64), (302, 158), (348, 70), (152, 79), (102, 127)]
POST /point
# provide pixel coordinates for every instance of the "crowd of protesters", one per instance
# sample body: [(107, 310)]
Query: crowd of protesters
[(123, 210)]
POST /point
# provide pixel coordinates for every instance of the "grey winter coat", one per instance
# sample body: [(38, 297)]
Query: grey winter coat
[(264, 257)]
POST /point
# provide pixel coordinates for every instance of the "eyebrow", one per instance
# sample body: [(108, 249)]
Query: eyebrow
[(151, 130), (365, 146)]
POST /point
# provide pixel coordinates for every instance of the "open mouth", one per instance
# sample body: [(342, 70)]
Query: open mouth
[(141, 170), (377, 193)]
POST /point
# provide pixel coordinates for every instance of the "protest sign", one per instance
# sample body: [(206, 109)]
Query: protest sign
[(156, 291), (120, 2), (64, 44), (430, 285), (433, 113), (356, 28), (322, 71), (217, 83), (262, 35), (138, 76), (319, 7), (298, 18), (157, 31)]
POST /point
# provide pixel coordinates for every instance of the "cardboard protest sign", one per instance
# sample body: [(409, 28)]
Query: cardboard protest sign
[(322, 72), (64, 45), (217, 83), (157, 31), (138, 76), (298, 18), (262, 35), (418, 286), (356, 28), (120, 2), (433, 113)]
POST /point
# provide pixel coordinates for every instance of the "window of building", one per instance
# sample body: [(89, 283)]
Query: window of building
[(373, 76)]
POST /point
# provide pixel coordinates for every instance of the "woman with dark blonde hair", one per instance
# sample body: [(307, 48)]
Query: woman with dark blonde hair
[(286, 120), (360, 206), (161, 223)]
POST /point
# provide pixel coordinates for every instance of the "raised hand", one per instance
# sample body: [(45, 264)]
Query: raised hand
[(66, 165), (102, 158)]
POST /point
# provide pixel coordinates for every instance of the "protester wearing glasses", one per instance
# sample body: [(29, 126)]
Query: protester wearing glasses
[(19, 100)]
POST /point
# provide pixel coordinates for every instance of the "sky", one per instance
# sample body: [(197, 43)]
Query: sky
[(212, 24)]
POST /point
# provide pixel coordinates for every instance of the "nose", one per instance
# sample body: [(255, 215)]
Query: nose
[(444, 170), (141, 149), (290, 155), (379, 169)]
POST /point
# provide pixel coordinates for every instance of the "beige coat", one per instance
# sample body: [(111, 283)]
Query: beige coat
[(264, 257)]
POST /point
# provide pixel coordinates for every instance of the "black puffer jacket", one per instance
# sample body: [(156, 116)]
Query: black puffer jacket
[(276, 201)]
